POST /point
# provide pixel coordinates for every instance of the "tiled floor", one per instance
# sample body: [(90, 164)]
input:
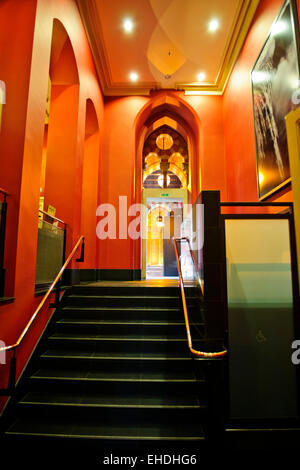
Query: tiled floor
[(157, 272)]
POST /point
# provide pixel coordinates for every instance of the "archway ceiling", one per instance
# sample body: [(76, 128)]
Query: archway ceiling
[(170, 38)]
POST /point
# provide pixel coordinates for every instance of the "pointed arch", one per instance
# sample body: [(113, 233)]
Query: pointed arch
[(167, 107)]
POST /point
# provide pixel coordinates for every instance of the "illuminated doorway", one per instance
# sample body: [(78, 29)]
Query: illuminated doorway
[(162, 221), (165, 179)]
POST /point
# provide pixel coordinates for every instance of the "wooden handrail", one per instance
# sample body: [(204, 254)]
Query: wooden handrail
[(186, 317), (24, 332), (4, 192), (52, 217)]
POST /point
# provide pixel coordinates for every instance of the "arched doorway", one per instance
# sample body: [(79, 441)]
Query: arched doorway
[(166, 109), (165, 176), (58, 181), (90, 187)]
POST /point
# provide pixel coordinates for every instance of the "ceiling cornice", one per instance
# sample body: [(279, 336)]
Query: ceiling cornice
[(240, 27)]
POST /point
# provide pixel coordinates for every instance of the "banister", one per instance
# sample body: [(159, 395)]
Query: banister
[(23, 334), (14, 346), (4, 192), (52, 217), (193, 259), (3, 212), (186, 317)]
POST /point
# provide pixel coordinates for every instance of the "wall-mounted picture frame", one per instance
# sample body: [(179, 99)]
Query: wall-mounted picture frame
[(275, 81)]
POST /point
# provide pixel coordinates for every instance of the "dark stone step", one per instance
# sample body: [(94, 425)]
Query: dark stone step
[(109, 382), (66, 428), (112, 361), (123, 344), (92, 446), (115, 400), (122, 301), (124, 289), (121, 376), (111, 328), (123, 313), (111, 408)]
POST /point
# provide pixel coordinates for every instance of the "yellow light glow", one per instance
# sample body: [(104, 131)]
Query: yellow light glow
[(128, 25), (201, 76), (213, 25), (260, 177), (133, 76), (164, 141), (160, 180)]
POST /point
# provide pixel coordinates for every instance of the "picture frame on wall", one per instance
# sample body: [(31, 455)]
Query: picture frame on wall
[(275, 84)]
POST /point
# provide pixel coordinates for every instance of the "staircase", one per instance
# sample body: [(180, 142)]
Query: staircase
[(112, 374)]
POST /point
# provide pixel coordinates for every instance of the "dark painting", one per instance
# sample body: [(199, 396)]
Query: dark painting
[(275, 81)]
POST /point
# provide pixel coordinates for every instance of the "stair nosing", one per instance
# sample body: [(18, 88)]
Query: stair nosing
[(113, 379), (131, 323), (109, 338), (110, 405), (133, 308), (162, 297), (109, 437), (139, 358)]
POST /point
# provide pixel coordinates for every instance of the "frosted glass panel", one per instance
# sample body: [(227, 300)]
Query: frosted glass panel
[(260, 318), (258, 261), (50, 248)]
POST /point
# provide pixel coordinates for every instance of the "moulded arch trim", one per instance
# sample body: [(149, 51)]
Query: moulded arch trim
[(91, 119), (167, 121), (173, 106), (63, 65)]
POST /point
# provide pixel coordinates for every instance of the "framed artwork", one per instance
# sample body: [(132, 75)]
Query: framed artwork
[(275, 83)]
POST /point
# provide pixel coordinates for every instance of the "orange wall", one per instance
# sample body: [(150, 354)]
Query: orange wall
[(211, 156), (238, 115), (117, 172), (25, 45)]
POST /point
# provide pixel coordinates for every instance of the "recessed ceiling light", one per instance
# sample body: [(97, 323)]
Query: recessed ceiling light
[(201, 76), (133, 76), (213, 25), (128, 25)]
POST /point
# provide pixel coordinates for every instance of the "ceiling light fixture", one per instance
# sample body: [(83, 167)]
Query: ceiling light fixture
[(128, 25), (133, 76), (201, 76), (213, 25)]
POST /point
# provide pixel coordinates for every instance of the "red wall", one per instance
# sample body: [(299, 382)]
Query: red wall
[(238, 115), (25, 47)]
